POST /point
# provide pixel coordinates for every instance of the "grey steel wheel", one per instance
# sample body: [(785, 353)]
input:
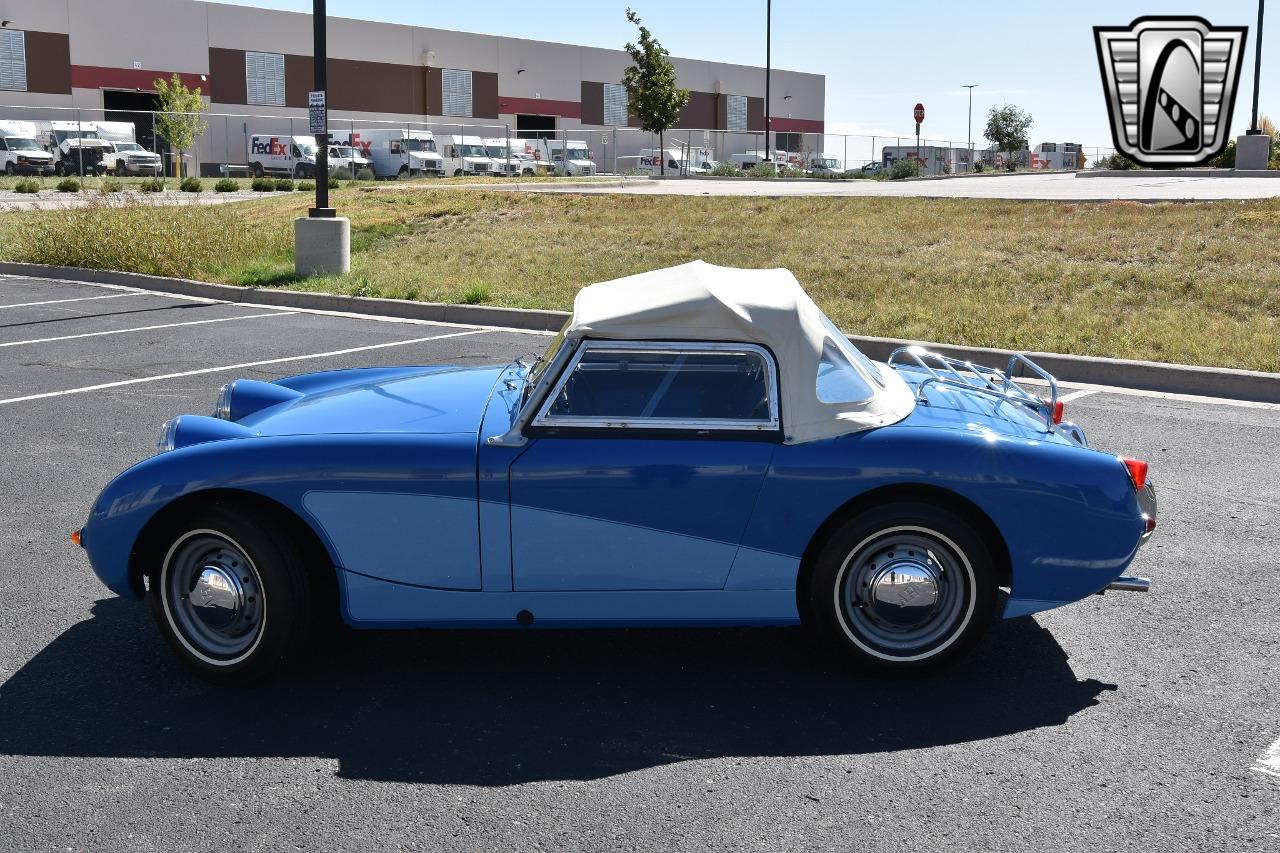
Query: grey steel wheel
[(904, 593), (213, 597)]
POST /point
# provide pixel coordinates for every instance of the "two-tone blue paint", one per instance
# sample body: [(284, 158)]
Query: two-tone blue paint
[(429, 524)]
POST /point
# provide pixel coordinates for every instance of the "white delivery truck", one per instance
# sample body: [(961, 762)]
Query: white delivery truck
[(579, 163), (823, 165), (505, 161), (398, 152), (345, 160), (76, 147), (126, 156), (20, 153), (277, 154), (678, 161), (465, 155), (747, 159)]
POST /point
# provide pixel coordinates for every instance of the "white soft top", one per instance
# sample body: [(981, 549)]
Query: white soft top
[(701, 302)]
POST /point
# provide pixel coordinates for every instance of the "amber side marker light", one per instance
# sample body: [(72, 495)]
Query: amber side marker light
[(76, 538), (1137, 471)]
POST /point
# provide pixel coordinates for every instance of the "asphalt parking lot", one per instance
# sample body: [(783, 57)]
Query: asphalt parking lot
[(1124, 722)]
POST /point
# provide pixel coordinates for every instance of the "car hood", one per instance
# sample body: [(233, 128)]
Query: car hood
[(380, 400)]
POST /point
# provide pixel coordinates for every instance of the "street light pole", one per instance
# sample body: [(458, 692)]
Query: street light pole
[(768, 69), (1257, 72), (970, 87), (321, 63)]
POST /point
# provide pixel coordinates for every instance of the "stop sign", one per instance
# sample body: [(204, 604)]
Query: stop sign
[(919, 113)]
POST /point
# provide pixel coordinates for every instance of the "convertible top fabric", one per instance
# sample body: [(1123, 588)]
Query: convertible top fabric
[(698, 301)]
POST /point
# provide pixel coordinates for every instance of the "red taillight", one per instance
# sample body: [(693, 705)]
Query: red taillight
[(1137, 471), (1058, 409)]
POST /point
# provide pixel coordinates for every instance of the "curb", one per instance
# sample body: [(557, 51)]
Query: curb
[(1228, 383), (1179, 173)]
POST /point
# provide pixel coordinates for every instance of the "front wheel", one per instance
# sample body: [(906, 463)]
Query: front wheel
[(903, 587), (231, 595)]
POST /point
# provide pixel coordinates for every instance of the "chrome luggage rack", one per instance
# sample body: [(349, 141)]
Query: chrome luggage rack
[(978, 378)]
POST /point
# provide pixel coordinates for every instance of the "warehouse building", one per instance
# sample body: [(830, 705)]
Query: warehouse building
[(104, 55)]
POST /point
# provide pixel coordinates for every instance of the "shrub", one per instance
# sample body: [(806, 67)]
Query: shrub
[(226, 185), (474, 295), (191, 185), (152, 185), (307, 186), (27, 185), (366, 174), (284, 185), (126, 234), (979, 166), (725, 170), (333, 183), (110, 185), (1122, 163), (906, 168), (68, 185), (1011, 165), (263, 185), (763, 170)]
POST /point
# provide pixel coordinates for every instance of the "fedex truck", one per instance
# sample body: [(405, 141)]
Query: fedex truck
[(399, 152), (278, 154), (20, 152), (466, 155), (677, 161)]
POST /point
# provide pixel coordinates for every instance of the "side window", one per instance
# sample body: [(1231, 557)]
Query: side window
[(838, 380), (4, 146), (670, 386), (296, 152)]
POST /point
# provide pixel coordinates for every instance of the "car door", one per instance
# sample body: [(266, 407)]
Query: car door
[(644, 467)]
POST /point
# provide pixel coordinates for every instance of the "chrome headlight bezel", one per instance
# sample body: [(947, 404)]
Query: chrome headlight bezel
[(168, 436), (222, 406)]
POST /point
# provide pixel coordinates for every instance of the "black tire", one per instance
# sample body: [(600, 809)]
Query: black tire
[(9, 169), (457, 173), (255, 169), (299, 172), (404, 174), (245, 558), (902, 587), (121, 171)]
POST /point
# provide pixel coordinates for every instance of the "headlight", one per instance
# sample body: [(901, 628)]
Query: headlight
[(168, 436), (222, 406)]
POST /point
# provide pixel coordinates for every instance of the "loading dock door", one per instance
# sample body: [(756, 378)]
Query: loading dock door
[(535, 127), (136, 107)]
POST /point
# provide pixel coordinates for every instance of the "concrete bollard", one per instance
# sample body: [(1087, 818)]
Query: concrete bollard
[(321, 246), (1253, 150)]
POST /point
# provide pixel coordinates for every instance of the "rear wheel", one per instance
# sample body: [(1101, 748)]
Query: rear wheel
[(9, 169), (903, 587), (231, 595), (255, 169)]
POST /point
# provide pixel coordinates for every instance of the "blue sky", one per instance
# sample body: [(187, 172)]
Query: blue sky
[(878, 64)]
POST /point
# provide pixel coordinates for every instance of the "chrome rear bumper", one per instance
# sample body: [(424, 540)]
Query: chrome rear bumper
[(1128, 584), (1147, 503)]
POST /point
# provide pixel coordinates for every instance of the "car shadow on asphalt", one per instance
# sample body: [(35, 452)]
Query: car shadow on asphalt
[(499, 708)]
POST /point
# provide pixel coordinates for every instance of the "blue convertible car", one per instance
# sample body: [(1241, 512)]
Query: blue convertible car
[(698, 446)]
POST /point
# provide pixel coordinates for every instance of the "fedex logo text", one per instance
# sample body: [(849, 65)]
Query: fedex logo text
[(273, 147)]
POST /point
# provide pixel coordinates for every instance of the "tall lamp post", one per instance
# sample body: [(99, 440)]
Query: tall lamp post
[(768, 69), (971, 87), (322, 239), (1257, 72), (1253, 150)]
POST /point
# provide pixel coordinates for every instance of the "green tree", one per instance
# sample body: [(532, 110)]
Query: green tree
[(180, 118), (652, 94), (1007, 127)]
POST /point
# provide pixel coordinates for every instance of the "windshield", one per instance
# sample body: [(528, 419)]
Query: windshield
[(340, 151), (471, 151), (540, 366), (128, 146), (64, 135), (419, 145), (578, 154), (307, 150), (831, 163), (19, 144), (498, 152)]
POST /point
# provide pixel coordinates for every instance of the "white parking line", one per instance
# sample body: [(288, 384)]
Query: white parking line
[(1076, 395), (144, 329), (142, 379), (1269, 762), (77, 299)]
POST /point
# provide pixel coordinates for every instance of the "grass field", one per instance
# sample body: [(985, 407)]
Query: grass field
[(1193, 283)]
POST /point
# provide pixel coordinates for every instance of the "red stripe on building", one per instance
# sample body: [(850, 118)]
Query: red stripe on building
[(539, 106), (96, 77), (797, 125)]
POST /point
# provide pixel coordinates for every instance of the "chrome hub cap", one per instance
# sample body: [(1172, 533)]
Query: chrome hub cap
[(213, 596), (903, 592)]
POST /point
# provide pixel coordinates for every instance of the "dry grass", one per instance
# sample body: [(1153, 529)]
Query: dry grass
[(1195, 284)]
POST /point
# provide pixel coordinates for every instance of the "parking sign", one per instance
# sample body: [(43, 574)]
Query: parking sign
[(316, 111)]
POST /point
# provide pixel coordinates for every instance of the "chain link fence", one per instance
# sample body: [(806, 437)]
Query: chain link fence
[(88, 141)]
